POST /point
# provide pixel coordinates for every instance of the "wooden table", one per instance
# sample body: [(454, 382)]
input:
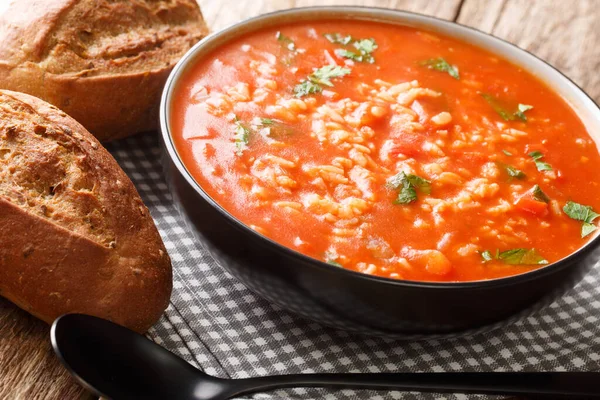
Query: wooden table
[(564, 33)]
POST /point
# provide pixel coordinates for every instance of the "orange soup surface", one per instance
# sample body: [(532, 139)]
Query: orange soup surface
[(389, 150)]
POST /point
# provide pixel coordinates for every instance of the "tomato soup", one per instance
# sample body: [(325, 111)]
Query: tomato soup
[(389, 150)]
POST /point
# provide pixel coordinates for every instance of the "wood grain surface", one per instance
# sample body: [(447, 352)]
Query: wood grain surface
[(28, 368), (564, 33)]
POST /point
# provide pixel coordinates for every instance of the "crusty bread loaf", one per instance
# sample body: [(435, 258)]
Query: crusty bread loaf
[(103, 62), (74, 233)]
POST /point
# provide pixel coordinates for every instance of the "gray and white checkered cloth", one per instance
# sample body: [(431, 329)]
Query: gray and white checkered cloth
[(218, 325)]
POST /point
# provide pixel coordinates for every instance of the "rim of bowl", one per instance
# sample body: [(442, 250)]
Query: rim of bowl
[(361, 13)]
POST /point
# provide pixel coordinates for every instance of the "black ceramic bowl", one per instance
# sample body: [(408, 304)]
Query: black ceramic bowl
[(351, 300)]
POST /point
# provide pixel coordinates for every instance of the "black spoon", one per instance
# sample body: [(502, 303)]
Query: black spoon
[(118, 363)]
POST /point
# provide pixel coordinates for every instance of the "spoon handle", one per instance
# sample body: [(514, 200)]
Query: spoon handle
[(538, 385)]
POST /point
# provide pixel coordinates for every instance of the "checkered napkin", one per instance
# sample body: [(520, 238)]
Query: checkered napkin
[(218, 325)]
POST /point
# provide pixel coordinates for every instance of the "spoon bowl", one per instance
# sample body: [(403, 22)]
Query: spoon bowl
[(118, 363), (115, 362)]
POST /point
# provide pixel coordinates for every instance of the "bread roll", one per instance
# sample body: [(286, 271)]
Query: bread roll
[(103, 62), (74, 233)]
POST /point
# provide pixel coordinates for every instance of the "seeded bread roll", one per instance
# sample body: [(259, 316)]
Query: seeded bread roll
[(74, 233), (103, 62)]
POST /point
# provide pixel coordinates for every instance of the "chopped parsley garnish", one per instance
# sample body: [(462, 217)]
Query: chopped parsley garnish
[(541, 165), (520, 113), (583, 213), (501, 110), (440, 64), (407, 185), (359, 57), (407, 194), (241, 136), (364, 47), (396, 181), (539, 195), (492, 101), (336, 38), (306, 87), (508, 153), (515, 257), (319, 78), (521, 257), (323, 75), (286, 41), (266, 121), (513, 172), (486, 256), (423, 184), (334, 263), (586, 229)]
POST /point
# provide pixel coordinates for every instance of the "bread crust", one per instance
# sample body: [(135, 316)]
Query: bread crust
[(74, 235), (102, 62)]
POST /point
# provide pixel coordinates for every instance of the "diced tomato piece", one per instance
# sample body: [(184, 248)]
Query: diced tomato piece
[(433, 261), (437, 263), (408, 144), (470, 158), (532, 206)]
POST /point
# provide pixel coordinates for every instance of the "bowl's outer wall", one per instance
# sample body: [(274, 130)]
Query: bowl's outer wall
[(353, 301)]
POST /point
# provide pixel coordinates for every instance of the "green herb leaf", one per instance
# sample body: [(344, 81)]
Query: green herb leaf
[(408, 183), (241, 136), (513, 172), (580, 212), (515, 257), (365, 46), (486, 256), (521, 257), (440, 64), (305, 88), (334, 263), (503, 112), (286, 41), (508, 153), (422, 184), (320, 77), (323, 75), (336, 38), (583, 213), (587, 228), (539, 194), (407, 195), (266, 121), (396, 181), (541, 165), (520, 113), (495, 104), (354, 56)]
